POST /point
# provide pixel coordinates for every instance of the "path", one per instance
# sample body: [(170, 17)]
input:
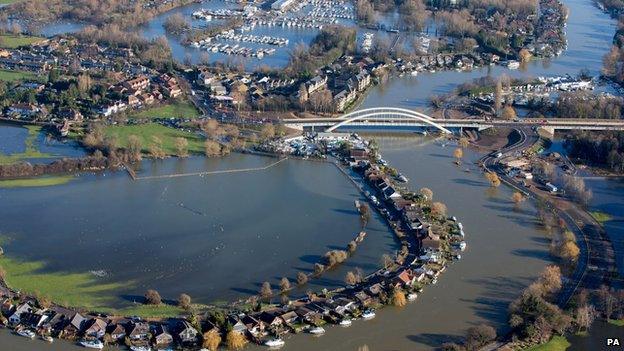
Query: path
[(203, 173)]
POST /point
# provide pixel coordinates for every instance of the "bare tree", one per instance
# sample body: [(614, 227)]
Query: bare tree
[(152, 297)]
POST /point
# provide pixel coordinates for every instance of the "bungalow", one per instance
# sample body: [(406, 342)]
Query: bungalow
[(254, 326), (186, 333), (307, 314), (271, 319), (237, 324), (95, 328), (34, 319), (363, 298), (117, 331), (289, 317), (162, 337), (138, 331), (342, 305), (74, 328), (16, 317)]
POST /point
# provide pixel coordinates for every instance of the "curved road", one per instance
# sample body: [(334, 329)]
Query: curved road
[(596, 262)]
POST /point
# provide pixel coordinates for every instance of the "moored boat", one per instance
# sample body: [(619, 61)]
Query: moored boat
[(27, 333), (47, 338), (92, 344), (275, 343), (368, 314), (317, 331), (345, 322), (412, 297)]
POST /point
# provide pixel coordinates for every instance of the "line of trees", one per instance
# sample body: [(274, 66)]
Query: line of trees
[(604, 149)]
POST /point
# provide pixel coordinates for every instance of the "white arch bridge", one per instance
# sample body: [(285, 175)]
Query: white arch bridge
[(394, 118)]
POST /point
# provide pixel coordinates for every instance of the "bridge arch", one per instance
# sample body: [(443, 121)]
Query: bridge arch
[(383, 111)]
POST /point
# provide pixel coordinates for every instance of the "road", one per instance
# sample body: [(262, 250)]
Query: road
[(596, 262)]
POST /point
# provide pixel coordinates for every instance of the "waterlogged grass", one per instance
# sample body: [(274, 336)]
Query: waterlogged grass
[(146, 132), (557, 343), (30, 151), (178, 109), (10, 41), (601, 217), (69, 289), (35, 182), (617, 322), (151, 311)]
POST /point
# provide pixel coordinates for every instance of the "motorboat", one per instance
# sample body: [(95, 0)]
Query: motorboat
[(368, 314), (345, 323), (275, 343), (92, 344), (47, 338), (27, 333), (317, 331), (412, 297)]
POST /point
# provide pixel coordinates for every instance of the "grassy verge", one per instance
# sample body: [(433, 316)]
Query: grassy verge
[(557, 343), (31, 150), (617, 322), (35, 182), (146, 132), (600, 216), (13, 76), (179, 109), (70, 289), (151, 311), (10, 41)]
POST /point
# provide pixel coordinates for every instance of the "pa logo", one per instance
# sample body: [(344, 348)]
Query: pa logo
[(613, 342)]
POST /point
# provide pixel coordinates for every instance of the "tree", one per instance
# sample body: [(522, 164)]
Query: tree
[(438, 209), (525, 55), (479, 336), (181, 145), (398, 298), (386, 261), (508, 113), (569, 251), (267, 132), (211, 340), (265, 291), (463, 142), (152, 297), (458, 154), (365, 214), (318, 268), (492, 177), (517, 197), (212, 148), (156, 149), (550, 279), (607, 301), (302, 278), (134, 147), (585, 316), (184, 301), (352, 246), (284, 285), (350, 278), (235, 340), (426, 193), (498, 96)]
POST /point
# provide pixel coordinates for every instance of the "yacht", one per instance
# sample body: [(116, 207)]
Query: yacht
[(317, 331), (92, 344), (140, 348), (411, 297), (512, 64), (27, 333), (47, 338), (402, 178), (462, 245), (345, 323), (368, 314), (275, 343)]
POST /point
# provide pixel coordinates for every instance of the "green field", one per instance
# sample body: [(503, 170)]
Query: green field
[(179, 109), (151, 311), (31, 149), (617, 322), (601, 217), (35, 182), (166, 134), (10, 41), (557, 343), (13, 76), (70, 289)]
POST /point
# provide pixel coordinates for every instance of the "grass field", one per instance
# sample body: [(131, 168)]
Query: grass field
[(10, 41), (617, 322), (35, 182), (557, 343), (146, 131), (151, 311), (70, 289), (601, 217), (180, 109), (31, 150), (13, 76)]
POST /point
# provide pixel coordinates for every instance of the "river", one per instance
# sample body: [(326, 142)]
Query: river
[(505, 249)]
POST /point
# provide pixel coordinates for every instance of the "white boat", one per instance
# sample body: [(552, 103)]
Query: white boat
[(92, 344), (275, 343), (414, 73), (140, 348), (368, 314), (411, 297), (402, 178), (27, 333), (47, 338), (434, 281), (512, 64), (317, 331), (345, 322), (462, 245)]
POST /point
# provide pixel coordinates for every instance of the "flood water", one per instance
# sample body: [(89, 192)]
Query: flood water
[(14, 140)]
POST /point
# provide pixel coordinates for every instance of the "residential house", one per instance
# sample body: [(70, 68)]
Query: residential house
[(316, 83), (74, 328), (138, 331), (162, 337), (117, 331), (138, 83), (254, 326), (186, 333), (16, 317), (237, 324), (95, 328), (289, 318)]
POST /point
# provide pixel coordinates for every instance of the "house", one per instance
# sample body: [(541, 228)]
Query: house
[(138, 331), (74, 328), (405, 278), (117, 331), (374, 290), (146, 99), (34, 319), (342, 305), (205, 77), (254, 326), (271, 319), (25, 110), (186, 333), (344, 98), (289, 317), (162, 337), (316, 83), (389, 192), (429, 240), (237, 324), (362, 80), (138, 83), (16, 317), (95, 328), (363, 298), (307, 314)]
